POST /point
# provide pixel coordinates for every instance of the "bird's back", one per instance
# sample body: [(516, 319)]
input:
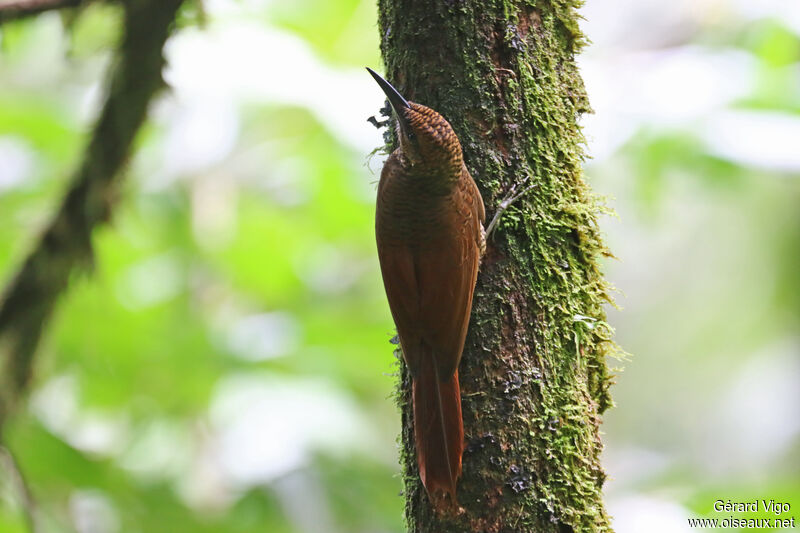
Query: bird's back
[(430, 240)]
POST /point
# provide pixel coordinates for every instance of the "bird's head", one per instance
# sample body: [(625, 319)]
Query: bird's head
[(426, 138)]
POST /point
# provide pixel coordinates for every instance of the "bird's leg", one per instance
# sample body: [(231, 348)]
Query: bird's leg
[(506, 202)]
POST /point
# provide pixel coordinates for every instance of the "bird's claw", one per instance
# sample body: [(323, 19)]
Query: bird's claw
[(506, 202)]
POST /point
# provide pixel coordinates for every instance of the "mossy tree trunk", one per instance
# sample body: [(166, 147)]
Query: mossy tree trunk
[(533, 375)]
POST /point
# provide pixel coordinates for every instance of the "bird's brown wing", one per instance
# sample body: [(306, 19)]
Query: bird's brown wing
[(402, 291), (430, 296), (448, 273), (446, 277)]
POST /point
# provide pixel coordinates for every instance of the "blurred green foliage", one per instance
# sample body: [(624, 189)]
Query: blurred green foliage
[(263, 264)]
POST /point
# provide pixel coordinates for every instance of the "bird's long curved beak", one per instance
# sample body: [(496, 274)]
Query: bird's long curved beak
[(396, 100)]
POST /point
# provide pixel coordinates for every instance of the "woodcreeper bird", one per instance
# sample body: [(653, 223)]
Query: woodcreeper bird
[(429, 230)]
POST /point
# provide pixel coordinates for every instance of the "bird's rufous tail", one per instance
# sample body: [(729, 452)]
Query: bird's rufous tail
[(438, 430)]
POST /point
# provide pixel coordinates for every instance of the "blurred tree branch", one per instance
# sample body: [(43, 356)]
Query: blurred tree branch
[(18, 9), (20, 485), (65, 245)]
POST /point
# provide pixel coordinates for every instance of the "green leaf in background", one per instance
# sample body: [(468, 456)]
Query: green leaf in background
[(342, 32)]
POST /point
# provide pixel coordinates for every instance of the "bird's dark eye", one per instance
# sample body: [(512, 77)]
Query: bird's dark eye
[(410, 136)]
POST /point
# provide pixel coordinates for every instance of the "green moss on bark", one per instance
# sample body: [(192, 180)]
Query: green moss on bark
[(533, 375)]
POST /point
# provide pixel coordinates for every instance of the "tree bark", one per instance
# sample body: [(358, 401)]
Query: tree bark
[(534, 379)]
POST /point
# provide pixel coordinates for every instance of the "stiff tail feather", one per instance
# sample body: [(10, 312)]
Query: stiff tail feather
[(438, 429)]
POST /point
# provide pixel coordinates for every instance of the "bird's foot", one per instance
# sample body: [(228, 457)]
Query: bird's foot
[(506, 202)]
